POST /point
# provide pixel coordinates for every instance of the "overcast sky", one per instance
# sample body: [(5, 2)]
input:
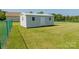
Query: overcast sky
[(60, 11)]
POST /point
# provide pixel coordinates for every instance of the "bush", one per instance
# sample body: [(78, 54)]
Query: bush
[(2, 15)]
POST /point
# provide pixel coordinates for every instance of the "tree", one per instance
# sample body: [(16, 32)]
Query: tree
[(58, 17), (41, 12), (2, 15), (68, 18), (30, 12)]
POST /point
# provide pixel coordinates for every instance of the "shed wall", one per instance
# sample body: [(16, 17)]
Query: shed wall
[(37, 21), (26, 20), (23, 20), (49, 22), (31, 23)]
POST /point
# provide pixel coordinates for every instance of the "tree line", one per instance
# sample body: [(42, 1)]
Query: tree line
[(60, 17)]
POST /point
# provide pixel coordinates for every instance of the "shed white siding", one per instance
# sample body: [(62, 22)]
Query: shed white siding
[(31, 23), (42, 21), (35, 20), (23, 21)]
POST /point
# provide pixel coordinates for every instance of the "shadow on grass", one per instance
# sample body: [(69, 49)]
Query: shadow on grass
[(42, 26)]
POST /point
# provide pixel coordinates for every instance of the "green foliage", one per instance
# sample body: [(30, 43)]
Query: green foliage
[(30, 12), (59, 17), (41, 12), (2, 15)]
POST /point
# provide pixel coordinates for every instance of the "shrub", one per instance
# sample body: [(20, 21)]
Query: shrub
[(2, 15)]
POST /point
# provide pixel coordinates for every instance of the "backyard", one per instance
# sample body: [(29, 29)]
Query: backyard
[(62, 35)]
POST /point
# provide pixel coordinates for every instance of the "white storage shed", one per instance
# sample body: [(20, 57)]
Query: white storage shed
[(35, 20)]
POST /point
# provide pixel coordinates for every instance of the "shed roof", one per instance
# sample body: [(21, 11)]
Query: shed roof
[(31, 14)]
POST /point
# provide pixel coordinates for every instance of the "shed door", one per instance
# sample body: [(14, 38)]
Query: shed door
[(42, 21)]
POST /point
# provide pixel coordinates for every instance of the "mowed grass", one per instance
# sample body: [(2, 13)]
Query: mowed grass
[(62, 35), (2, 26), (14, 39)]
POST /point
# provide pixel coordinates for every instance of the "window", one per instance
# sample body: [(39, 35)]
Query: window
[(33, 18), (49, 18)]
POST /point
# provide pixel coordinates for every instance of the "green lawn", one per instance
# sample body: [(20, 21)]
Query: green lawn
[(14, 39), (2, 26), (63, 35)]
